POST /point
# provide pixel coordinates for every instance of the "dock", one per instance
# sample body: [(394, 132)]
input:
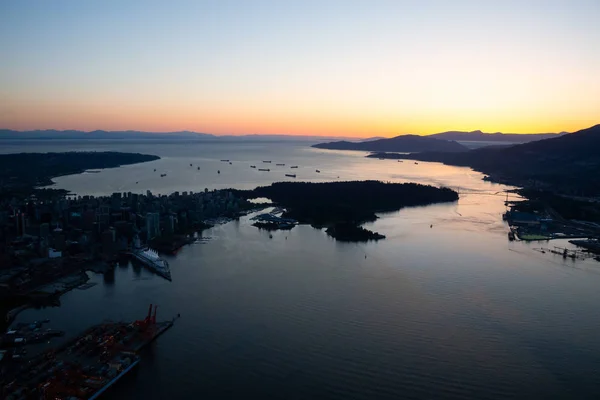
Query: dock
[(590, 245), (87, 365)]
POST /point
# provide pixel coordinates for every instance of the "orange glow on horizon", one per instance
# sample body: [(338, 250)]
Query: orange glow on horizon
[(284, 122), (302, 68)]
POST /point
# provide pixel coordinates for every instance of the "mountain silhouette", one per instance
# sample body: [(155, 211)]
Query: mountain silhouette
[(568, 164), (404, 143), (97, 134), (479, 136)]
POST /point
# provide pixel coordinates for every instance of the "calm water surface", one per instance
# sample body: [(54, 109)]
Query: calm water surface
[(449, 312)]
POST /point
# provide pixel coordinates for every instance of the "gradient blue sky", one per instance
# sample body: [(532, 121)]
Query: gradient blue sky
[(351, 68)]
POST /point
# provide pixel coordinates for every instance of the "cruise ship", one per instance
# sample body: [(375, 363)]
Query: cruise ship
[(153, 262)]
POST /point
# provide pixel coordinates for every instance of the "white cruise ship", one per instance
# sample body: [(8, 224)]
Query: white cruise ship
[(151, 260)]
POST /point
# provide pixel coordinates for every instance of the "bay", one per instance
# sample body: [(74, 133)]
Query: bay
[(444, 308)]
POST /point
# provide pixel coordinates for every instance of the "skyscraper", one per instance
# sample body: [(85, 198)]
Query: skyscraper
[(152, 225)]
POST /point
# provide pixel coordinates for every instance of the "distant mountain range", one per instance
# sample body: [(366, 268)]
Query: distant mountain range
[(478, 136), (475, 136), (404, 144), (444, 141), (98, 134), (569, 163), (52, 134)]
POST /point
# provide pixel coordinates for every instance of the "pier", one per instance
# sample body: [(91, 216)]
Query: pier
[(87, 365)]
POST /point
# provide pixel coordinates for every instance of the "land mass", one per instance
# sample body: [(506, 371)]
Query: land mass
[(22, 173), (53, 134), (404, 143), (569, 164), (479, 136), (129, 135), (342, 206)]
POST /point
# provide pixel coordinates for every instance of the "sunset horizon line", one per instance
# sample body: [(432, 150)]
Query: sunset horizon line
[(324, 135)]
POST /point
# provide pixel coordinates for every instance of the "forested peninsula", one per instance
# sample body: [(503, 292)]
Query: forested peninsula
[(22, 173), (342, 207)]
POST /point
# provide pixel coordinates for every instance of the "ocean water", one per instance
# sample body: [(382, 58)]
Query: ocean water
[(452, 311)]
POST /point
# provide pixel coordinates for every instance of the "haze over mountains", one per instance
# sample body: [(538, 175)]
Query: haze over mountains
[(51, 134), (98, 134), (189, 135), (494, 137)]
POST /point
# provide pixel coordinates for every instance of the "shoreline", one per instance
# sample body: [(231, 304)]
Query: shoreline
[(32, 298)]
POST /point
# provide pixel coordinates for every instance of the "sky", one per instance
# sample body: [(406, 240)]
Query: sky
[(327, 67)]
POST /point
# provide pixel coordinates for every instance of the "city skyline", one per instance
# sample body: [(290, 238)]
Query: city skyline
[(352, 68)]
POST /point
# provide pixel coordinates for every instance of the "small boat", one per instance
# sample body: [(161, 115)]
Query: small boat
[(198, 168), (190, 164), (154, 169), (218, 171), (264, 169), (136, 182), (399, 160), (294, 166), (229, 162), (280, 165), (416, 163), (163, 175), (268, 161), (291, 175), (318, 171), (225, 160), (253, 166)]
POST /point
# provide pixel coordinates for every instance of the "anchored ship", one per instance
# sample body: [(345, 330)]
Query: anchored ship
[(153, 262)]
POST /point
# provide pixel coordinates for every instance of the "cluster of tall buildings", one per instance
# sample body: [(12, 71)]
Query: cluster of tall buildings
[(103, 226)]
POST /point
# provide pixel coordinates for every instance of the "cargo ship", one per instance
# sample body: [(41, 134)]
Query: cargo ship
[(264, 169), (153, 262), (85, 366)]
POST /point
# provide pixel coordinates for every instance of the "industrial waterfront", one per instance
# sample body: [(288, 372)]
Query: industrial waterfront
[(86, 366)]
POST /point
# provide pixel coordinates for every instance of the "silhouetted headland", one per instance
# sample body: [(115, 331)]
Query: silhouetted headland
[(498, 137), (568, 164), (22, 173), (348, 232), (343, 206), (403, 143)]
